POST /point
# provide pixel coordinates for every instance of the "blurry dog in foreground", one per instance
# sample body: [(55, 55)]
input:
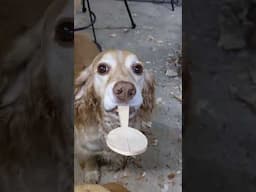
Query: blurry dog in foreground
[(36, 93)]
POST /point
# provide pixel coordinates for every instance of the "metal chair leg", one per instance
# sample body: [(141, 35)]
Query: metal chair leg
[(92, 24), (172, 3), (130, 15), (83, 6)]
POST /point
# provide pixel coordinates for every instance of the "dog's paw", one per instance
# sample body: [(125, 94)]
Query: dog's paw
[(117, 164), (114, 167), (152, 140), (92, 177)]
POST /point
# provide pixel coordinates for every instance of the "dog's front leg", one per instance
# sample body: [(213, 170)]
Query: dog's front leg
[(145, 128), (114, 161), (87, 148), (91, 170)]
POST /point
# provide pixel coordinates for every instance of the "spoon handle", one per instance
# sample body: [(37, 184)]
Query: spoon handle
[(123, 115)]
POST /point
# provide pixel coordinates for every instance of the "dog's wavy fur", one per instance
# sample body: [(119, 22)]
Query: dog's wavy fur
[(89, 113)]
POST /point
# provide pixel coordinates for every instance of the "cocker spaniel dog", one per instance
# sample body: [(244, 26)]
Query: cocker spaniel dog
[(114, 77)]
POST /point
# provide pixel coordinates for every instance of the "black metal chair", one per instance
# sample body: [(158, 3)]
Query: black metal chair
[(173, 2), (93, 19)]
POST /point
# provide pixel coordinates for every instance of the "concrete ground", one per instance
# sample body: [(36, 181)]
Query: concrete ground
[(157, 41)]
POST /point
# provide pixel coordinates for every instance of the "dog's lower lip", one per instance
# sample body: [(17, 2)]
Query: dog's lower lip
[(112, 110), (115, 110)]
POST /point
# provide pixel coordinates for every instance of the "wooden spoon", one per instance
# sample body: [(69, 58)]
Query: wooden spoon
[(126, 140)]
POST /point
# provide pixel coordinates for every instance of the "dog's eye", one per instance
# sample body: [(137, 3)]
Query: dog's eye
[(64, 32), (103, 68), (137, 69)]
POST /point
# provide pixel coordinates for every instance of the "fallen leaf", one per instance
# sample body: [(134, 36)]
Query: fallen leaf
[(176, 97), (171, 73), (159, 100), (142, 176), (171, 176), (113, 35), (155, 142), (178, 172), (150, 38), (125, 30), (124, 175)]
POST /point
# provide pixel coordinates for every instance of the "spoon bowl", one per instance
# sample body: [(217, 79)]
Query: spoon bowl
[(125, 140)]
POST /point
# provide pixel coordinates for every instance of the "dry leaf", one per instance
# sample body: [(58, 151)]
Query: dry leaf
[(150, 38), (176, 97), (155, 142), (178, 172), (125, 30), (171, 73), (159, 100), (171, 176), (141, 176), (113, 35)]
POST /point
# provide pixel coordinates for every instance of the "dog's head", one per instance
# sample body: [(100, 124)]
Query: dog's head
[(117, 77)]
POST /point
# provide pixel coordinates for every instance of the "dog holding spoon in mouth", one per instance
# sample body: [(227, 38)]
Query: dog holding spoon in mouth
[(114, 78)]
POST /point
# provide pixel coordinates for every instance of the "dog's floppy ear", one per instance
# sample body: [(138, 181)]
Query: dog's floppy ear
[(81, 81), (148, 92), (87, 103), (84, 76)]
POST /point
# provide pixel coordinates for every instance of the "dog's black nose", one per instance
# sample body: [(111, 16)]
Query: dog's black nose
[(124, 91)]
